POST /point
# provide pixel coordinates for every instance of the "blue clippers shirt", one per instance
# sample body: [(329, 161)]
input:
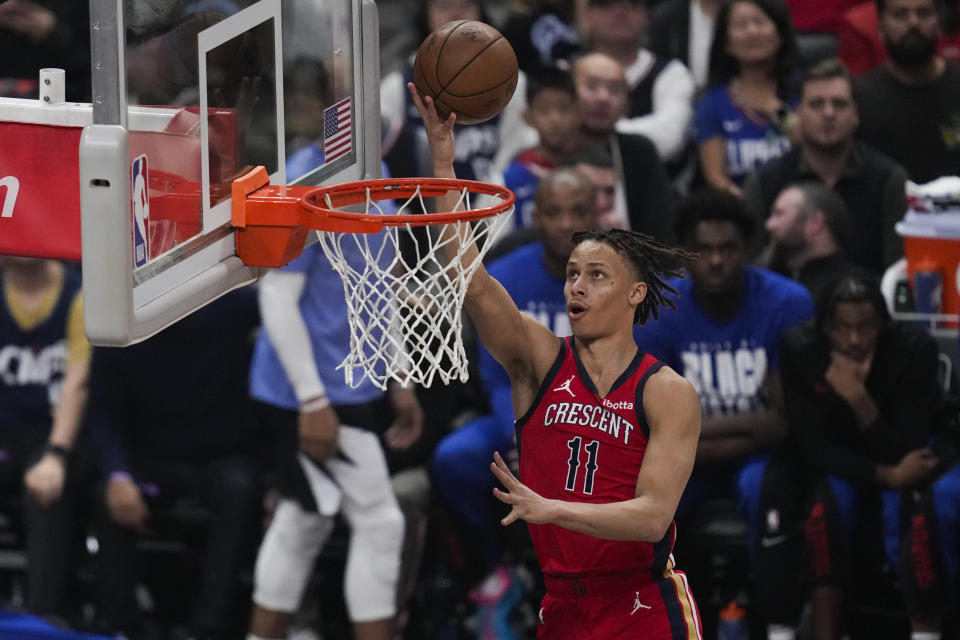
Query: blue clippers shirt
[(751, 142), (535, 291), (728, 362)]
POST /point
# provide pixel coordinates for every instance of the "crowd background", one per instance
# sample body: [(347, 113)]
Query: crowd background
[(775, 139)]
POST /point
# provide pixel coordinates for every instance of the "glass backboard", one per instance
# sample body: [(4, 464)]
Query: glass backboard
[(186, 96)]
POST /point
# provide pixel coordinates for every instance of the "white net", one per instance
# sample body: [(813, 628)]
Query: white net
[(405, 293)]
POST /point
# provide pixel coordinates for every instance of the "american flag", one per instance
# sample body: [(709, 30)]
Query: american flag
[(337, 139)]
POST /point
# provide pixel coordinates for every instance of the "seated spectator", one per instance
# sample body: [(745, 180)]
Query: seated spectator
[(543, 33), (861, 48), (643, 191), (724, 338), (483, 149), (534, 277), (44, 357), (862, 396), (746, 117), (870, 184), (908, 107), (552, 111), (171, 420), (808, 227), (595, 162), (683, 29), (659, 90)]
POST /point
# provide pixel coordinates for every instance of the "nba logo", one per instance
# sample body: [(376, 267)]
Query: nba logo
[(141, 210)]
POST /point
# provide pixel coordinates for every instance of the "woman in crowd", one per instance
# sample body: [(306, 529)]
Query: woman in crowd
[(746, 116)]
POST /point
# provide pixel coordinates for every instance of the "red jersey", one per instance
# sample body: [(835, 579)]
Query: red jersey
[(579, 447)]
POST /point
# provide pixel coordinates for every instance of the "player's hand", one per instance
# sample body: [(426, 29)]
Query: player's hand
[(44, 480), (319, 433), (526, 504), (408, 421), (439, 132), (913, 468), (125, 503)]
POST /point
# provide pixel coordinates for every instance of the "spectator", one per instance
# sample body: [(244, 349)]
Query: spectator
[(724, 339), (643, 188), (660, 90), (484, 149), (807, 227), (543, 33), (166, 432), (552, 111), (859, 44), (862, 394), (683, 29), (745, 119), (908, 107), (595, 162), (329, 457), (870, 184), (44, 357)]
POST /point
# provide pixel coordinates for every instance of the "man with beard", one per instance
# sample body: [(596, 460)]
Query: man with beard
[(910, 107), (870, 184), (807, 228)]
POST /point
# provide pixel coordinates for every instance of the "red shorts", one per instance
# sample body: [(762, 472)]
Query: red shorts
[(619, 608)]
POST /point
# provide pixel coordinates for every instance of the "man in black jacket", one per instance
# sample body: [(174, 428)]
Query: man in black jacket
[(870, 184), (643, 188), (862, 397)]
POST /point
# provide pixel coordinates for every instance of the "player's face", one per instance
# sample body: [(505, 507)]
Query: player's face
[(601, 91), (786, 222), (854, 329), (440, 12), (719, 267), (827, 113), (752, 36), (910, 30), (601, 289), (559, 212), (556, 117)]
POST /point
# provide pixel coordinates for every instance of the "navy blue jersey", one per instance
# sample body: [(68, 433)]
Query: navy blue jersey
[(33, 361)]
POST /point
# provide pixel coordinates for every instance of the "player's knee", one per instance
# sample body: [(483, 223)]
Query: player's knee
[(286, 556)]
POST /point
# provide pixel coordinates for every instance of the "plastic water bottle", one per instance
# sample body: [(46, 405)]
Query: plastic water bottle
[(733, 623)]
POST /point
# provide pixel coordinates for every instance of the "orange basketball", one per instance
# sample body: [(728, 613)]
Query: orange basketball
[(467, 67)]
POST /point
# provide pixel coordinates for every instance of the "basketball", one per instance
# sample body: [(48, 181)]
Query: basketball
[(467, 67)]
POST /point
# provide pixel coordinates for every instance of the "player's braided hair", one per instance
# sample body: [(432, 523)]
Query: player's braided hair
[(652, 261)]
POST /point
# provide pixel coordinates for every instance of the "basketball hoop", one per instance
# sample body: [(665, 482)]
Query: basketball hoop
[(404, 294)]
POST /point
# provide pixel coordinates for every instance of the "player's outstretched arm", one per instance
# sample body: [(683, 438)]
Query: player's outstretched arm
[(673, 412), (521, 344)]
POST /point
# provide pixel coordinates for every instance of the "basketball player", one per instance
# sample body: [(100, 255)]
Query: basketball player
[(607, 436)]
